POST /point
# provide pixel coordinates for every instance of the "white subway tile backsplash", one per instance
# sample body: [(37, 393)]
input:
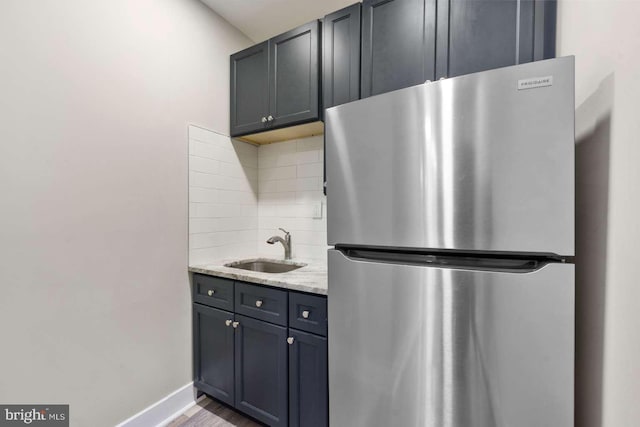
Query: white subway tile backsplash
[(276, 149), (199, 179), (203, 225), (307, 237), (309, 184), (310, 169), (283, 172), (203, 255), (232, 169), (276, 198), (202, 149), (312, 251), (200, 164), (266, 210), (223, 192), (309, 196), (236, 197), (211, 210), (201, 134), (222, 141), (303, 157), (240, 194), (309, 144), (268, 187), (238, 223), (292, 224), (286, 185), (206, 195), (288, 198)]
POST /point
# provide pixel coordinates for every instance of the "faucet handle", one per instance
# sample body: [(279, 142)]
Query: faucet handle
[(283, 230)]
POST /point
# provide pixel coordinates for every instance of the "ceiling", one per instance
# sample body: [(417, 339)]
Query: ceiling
[(262, 19)]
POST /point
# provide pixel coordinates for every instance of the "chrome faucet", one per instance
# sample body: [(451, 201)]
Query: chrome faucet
[(286, 242)]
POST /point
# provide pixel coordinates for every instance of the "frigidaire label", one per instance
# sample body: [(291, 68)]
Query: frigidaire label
[(535, 82)]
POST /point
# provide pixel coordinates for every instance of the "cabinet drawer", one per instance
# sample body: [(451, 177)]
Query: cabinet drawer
[(213, 291), (261, 303), (308, 313)]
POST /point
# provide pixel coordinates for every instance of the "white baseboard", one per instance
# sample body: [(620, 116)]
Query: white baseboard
[(165, 410)]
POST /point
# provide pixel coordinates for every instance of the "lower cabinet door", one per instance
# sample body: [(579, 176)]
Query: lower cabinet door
[(308, 378), (213, 347), (261, 370)]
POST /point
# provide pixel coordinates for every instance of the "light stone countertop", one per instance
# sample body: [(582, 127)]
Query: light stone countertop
[(310, 278)]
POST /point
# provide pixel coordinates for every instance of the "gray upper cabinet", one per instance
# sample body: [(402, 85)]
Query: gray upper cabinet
[(480, 35), (398, 44), (277, 82), (341, 56), (294, 75), (249, 89)]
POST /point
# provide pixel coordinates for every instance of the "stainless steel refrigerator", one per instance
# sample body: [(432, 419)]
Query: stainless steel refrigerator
[(451, 285)]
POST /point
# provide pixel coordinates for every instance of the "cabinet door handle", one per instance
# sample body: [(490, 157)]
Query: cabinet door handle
[(210, 292), (235, 324), (227, 322), (290, 340), (270, 118), (264, 120), (305, 314), (259, 303)]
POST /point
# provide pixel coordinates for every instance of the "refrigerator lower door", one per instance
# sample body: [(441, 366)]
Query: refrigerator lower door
[(425, 346)]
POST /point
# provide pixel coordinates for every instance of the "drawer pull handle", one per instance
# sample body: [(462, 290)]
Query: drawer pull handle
[(290, 340), (305, 314), (235, 324), (258, 303), (211, 292), (227, 322)]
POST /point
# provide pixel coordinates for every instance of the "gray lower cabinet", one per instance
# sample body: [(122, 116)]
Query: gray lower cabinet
[(276, 83), (398, 44), (341, 56), (267, 358), (261, 370), (308, 384), (213, 352), (475, 36)]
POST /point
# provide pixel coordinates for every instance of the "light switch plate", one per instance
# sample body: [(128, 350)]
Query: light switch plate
[(317, 210)]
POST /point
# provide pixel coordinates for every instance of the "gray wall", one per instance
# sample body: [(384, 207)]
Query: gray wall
[(95, 97), (605, 38)]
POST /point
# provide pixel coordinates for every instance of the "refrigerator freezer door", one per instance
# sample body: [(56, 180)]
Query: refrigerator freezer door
[(483, 162), (432, 347)]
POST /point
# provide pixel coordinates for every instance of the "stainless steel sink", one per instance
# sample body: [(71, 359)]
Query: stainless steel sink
[(265, 265)]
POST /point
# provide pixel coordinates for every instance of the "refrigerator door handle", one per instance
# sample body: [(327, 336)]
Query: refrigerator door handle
[(482, 262)]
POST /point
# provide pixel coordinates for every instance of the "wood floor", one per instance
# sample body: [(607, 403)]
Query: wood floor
[(209, 413)]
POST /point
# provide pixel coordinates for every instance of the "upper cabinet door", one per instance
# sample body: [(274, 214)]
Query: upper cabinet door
[(249, 89), (480, 35), (293, 76), (398, 44), (341, 56)]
